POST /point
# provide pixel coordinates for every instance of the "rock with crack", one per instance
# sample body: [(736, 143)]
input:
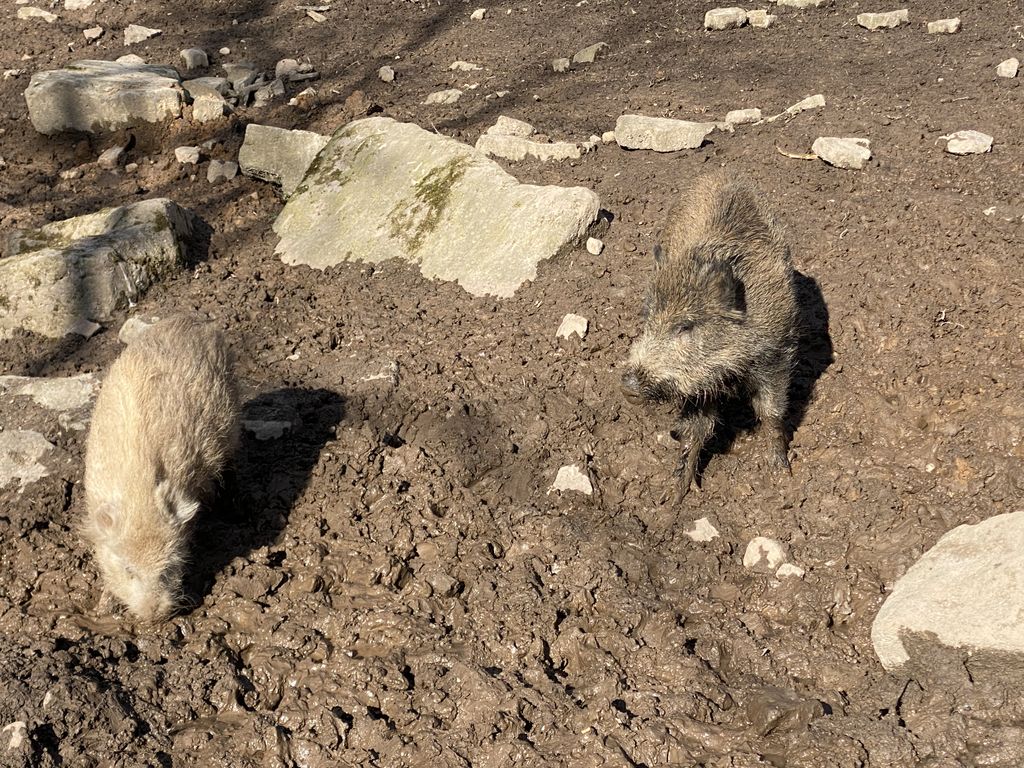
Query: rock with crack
[(278, 155), (95, 96), (967, 143), (64, 276), (661, 134), (382, 189), (70, 398), (963, 597), (507, 139)]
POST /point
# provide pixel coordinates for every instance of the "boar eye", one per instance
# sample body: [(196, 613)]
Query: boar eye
[(681, 328)]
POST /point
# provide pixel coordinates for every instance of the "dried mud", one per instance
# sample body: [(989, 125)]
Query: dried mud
[(390, 582)]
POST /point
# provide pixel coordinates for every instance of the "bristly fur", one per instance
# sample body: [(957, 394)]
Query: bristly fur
[(721, 313), (164, 426)]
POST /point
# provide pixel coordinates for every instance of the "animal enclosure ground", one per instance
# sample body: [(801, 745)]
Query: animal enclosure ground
[(390, 582)]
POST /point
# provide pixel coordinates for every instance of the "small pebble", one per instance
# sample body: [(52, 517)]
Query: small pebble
[(31, 12), (135, 33), (224, 51), (93, 33), (789, 570), (561, 65), (386, 74), (1008, 68), (195, 58), (221, 170), (111, 158), (478, 14), (77, 5), (608, 137), (186, 155), (130, 58), (761, 19), (591, 53), (743, 116), (305, 100), (571, 478), (850, 153), (131, 168), (594, 246), (944, 27), (573, 324), (449, 96), (285, 68), (702, 531), (763, 553)]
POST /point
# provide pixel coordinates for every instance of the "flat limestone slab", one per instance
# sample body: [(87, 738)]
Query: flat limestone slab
[(60, 278), (382, 189), (278, 155), (95, 96), (966, 592), (662, 134)]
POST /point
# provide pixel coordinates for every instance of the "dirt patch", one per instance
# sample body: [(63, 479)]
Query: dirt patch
[(389, 582)]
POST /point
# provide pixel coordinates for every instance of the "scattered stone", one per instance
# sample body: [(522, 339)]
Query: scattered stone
[(278, 155), (608, 137), (590, 54), (661, 134), (207, 108), (764, 554), (221, 170), (961, 594), (510, 126), (272, 90), (888, 20), (21, 452), (80, 270), (725, 18), (702, 531), (570, 478), (77, 5), (517, 148), (788, 570), (594, 246), (967, 143), (195, 58), (134, 327), (761, 19), (804, 4), (72, 173), (478, 14), (134, 60), (305, 100), (386, 74), (19, 734), (449, 96), (95, 96), (187, 155), (112, 158), (69, 397), (134, 33), (573, 324), (93, 33), (1008, 68), (743, 116), (285, 68), (266, 430), (213, 87), (224, 51), (240, 74), (382, 189), (316, 16), (811, 102), (944, 27), (561, 65), (464, 66), (850, 153), (31, 12)]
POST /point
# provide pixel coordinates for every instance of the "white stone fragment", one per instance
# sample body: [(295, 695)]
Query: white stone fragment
[(702, 531), (571, 478), (608, 137), (764, 554), (510, 126), (195, 58), (132, 59), (1008, 68), (811, 102), (516, 148), (464, 66), (788, 570), (478, 14), (944, 27), (93, 33), (18, 731), (743, 116), (561, 65), (135, 33), (187, 155), (725, 18), (31, 12), (449, 96), (661, 134), (386, 74), (802, 4), (573, 324), (967, 143), (112, 158), (887, 20), (761, 19), (850, 153), (591, 53), (594, 246), (77, 5)]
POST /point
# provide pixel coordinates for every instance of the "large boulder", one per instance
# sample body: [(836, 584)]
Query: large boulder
[(64, 276), (96, 96), (381, 189), (964, 597)]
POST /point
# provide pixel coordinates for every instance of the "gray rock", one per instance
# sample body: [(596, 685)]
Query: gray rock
[(77, 5), (964, 593), (608, 137), (21, 457), (850, 153), (208, 108), (93, 33), (761, 19), (561, 65), (661, 134), (590, 54), (112, 158), (195, 58), (285, 68), (510, 126), (802, 4), (70, 397), (594, 246), (967, 143), (764, 554), (572, 478), (944, 27), (94, 96), (221, 170), (278, 155), (725, 18), (240, 74), (382, 189), (888, 20), (31, 12), (517, 148), (386, 74), (55, 278), (464, 66), (1008, 68), (133, 60), (134, 33), (272, 90), (207, 86), (449, 96), (187, 155), (743, 116)]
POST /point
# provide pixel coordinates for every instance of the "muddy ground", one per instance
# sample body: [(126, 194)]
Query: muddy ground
[(390, 583)]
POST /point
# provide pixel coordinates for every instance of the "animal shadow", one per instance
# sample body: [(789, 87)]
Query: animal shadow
[(283, 435), (813, 357)]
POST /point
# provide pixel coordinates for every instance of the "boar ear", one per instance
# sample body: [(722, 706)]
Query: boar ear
[(104, 517), (180, 507), (659, 254)]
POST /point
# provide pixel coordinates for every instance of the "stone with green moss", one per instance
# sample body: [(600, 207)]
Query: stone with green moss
[(381, 189)]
